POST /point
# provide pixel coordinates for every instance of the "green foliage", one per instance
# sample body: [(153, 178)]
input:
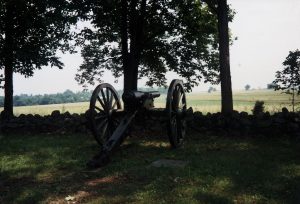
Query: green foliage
[(159, 36), (31, 32), (258, 107), (38, 30), (288, 79)]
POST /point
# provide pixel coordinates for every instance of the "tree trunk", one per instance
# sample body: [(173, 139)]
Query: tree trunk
[(130, 63), (132, 27), (8, 90), (131, 73), (293, 99), (124, 45), (8, 65), (225, 77)]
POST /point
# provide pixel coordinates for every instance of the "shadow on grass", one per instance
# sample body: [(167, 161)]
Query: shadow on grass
[(40, 168), (212, 199)]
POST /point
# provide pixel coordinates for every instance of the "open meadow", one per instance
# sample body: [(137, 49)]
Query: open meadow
[(203, 101)]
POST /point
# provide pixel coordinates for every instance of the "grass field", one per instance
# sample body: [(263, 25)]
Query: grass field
[(204, 102), (51, 169)]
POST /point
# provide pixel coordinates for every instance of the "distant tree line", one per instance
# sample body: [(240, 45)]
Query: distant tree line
[(161, 90), (67, 96)]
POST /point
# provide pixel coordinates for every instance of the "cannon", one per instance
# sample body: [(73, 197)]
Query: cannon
[(110, 131)]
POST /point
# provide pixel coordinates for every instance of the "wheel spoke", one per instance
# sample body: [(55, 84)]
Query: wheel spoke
[(180, 97), (99, 109), (101, 102), (104, 98), (173, 113), (99, 126), (100, 117), (116, 122), (173, 120), (110, 97), (107, 98), (112, 128), (182, 131), (105, 132), (174, 128), (102, 126), (174, 101), (111, 100), (108, 131), (182, 105), (114, 105)]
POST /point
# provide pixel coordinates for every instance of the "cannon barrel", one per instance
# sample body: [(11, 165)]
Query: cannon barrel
[(154, 94), (138, 97)]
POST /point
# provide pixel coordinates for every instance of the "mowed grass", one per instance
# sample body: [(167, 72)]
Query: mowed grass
[(47, 109), (51, 168), (204, 102)]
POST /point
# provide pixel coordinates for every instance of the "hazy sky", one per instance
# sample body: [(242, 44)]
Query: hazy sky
[(266, 29)]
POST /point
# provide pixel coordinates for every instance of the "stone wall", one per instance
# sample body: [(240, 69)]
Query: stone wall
[(279, 124), (235, 124), (54, 123)]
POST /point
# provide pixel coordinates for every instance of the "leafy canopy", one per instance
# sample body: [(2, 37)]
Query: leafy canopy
[(163, 35), (289, 78), (38, 29)]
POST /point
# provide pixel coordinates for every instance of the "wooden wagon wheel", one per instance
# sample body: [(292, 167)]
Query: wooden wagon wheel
[(176, 110), (104, 102)]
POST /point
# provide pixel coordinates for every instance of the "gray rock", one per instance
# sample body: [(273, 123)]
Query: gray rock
[(198, 114), (55, 113), (67, 114), (284, 110), (76, 115), (244, 114)]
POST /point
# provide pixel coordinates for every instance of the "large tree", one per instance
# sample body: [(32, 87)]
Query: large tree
[(31, 32), (141, 38), (221, 9)]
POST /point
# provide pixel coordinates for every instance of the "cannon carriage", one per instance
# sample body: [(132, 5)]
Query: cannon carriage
[(109, 122)]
